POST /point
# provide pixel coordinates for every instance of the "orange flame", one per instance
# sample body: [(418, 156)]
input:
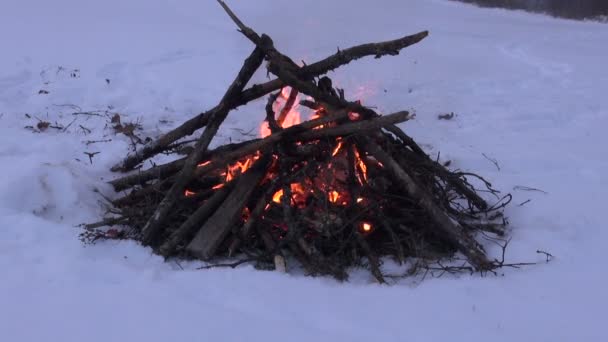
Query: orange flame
[(298, 194), (276, 198), (189, 193), (239, 167), (333, 196), (292, 117), (337, 149), (362, 167)]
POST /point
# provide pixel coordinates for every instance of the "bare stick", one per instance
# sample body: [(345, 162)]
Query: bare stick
[(188, 228), (153, 227), (165, 170), (303, 133), (253, 219), (374, 262), (342, 57), (217, 227), (450, 229), (293, 95)]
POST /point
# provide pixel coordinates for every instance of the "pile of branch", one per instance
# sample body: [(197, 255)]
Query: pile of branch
[(346, 188)]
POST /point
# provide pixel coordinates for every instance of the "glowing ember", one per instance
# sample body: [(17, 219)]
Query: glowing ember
[(337, 149), (366, 227), (333, 196), (298, 195), (204, 163), (276, 198), (362, 167), (354, 116), (240, 167), (359, 200), (189, 193), (219, 186)]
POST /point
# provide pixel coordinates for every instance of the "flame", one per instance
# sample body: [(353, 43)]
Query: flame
[(359, 200), (189, 193), (362, 167), (333, 196), (366, 227), (292, 118), (219, 186), (240, 167), (298, 195), (276, 198), (337, 149)]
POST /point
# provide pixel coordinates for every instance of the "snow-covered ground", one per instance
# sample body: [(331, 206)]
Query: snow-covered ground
[(528, 91)]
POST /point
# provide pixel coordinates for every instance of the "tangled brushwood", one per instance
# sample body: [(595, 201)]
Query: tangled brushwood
[(345, 188)]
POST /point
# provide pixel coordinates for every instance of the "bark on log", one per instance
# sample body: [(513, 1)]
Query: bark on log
[(217, 227), (188, 228)]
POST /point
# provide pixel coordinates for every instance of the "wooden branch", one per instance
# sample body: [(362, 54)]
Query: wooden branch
[(310, 71), (287, 70), (269, 141), (442, 172), (248, 32), (188, 228), (343, 57), (374, 262), (303, 133), (217, 227), (354, 127), (450, 229), (293, 95), (395, 238), (273, 125), (165, 170), (254, 217), (153, 227)]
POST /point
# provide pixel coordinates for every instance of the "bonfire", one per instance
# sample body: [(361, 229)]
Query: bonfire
[(330, 184)]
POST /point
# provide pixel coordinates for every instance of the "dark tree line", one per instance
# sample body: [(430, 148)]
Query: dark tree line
[(576, 9)]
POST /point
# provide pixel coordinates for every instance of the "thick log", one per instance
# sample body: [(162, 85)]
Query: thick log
[(153, 227), (254, 217), (217, 227), (188, 228), (450, 229)]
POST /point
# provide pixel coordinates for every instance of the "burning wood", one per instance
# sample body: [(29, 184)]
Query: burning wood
[(345, 185)]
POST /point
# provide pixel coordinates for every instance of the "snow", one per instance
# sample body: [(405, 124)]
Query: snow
[(527, 90)]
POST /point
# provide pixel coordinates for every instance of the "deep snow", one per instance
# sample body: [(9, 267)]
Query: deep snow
[(528, 90)]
